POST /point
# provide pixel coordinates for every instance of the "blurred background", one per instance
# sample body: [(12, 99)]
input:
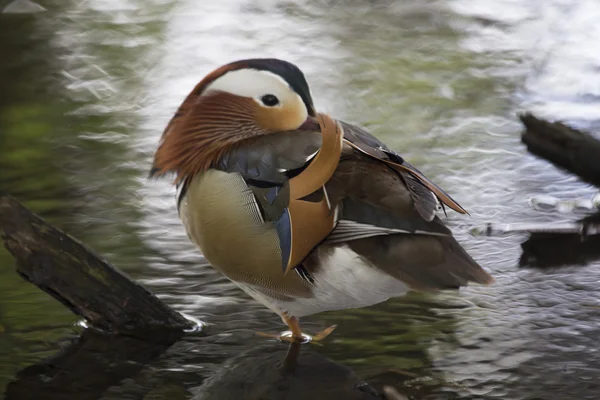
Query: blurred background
[(87, 86)]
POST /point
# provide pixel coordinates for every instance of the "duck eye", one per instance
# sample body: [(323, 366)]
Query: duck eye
[(269, 100)]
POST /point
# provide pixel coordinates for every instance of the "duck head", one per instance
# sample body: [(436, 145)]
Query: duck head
[(236, 102)]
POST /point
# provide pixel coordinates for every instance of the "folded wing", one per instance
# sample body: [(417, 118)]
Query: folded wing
[(418, 184), (387, 216)]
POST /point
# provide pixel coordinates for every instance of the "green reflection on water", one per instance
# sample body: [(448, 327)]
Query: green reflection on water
[(55, 159), (31, 170), (67, 156), (68, 118), (408, 69)]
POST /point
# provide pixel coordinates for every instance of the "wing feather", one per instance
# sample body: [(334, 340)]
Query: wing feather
[(366, 143)]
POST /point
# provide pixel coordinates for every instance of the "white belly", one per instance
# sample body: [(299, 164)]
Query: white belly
[(345, 280)]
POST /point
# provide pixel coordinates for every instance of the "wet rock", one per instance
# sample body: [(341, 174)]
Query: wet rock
[(268, 373)]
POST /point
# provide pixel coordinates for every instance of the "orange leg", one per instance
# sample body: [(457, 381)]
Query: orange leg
[(294, 325), (295, 334)]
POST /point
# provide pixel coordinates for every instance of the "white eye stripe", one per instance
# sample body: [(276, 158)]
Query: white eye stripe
[(252, 83), (255, 84)]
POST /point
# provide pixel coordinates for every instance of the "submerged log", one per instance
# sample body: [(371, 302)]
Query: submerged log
[(559, 249), (581, 228), (575, 151), (78, 278)]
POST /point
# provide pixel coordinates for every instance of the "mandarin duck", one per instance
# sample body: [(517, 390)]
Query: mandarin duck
[(303, 212)]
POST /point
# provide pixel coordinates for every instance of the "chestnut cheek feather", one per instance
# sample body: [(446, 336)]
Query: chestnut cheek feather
[(203, 130)]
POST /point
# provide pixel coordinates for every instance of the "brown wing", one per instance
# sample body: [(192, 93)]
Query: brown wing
[(422, 262), (374, 200), (380, 221), (418, 184)]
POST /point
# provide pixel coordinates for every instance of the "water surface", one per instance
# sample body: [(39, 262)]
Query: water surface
[(88, 86)]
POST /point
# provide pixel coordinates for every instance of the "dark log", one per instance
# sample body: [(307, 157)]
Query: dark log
[(86, 369), (556, 248), (78, 278), (575, 151), (95, 365)]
